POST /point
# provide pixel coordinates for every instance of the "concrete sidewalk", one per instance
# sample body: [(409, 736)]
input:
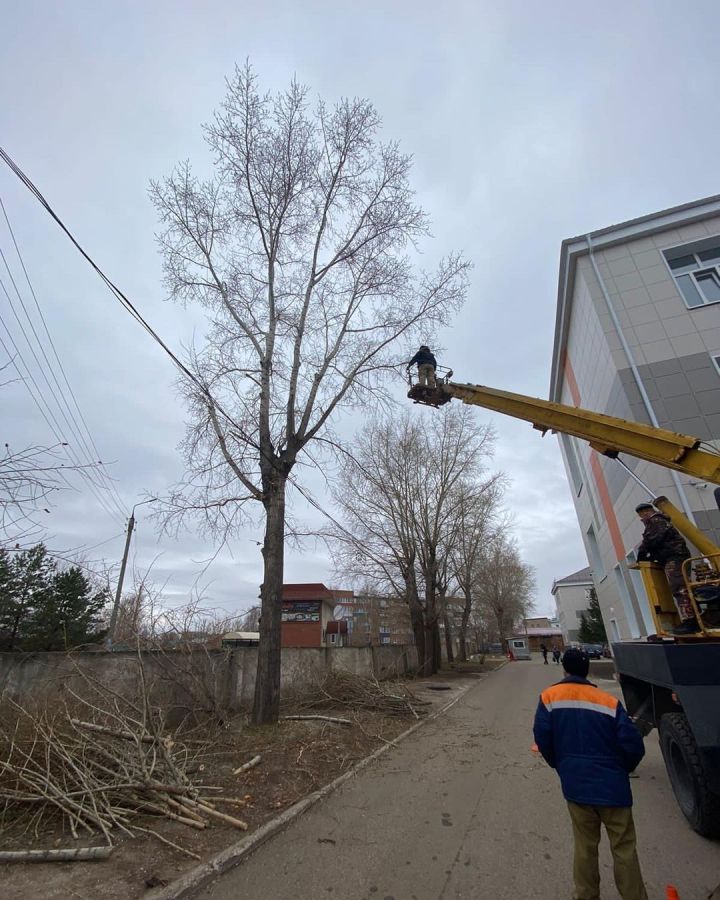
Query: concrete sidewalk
[(463, 809)]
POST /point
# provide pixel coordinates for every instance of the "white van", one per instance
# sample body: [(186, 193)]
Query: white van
[(519, 648)]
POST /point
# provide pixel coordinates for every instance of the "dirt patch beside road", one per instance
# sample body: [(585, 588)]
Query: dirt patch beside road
[(296, 758)]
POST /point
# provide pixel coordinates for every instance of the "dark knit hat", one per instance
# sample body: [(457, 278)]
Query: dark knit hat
[(576, 662), (642, 506)]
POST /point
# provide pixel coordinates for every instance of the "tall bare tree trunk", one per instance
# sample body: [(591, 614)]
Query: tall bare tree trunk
[(436, 647), (448, 638), (467, 609), (266, 704), (418, 627), (432, 633)]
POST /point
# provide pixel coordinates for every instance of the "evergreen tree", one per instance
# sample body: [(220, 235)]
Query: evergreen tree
[(592, 627), (25, 580), (69, 614), (42, 608), (8, 597)]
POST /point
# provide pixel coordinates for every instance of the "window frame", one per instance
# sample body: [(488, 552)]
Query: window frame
[(702, 267)]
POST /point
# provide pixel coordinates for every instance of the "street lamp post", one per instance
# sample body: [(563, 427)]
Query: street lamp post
[(123, 566)]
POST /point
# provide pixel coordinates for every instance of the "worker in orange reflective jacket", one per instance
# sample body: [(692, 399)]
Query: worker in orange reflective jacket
[(586, 735)]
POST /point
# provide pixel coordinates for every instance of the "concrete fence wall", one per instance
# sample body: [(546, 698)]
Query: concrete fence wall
[(190, 680), (304, 665)]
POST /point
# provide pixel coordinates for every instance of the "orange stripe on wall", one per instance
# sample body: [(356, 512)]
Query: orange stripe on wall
[(571, 380), (607, 506), (597, 471)]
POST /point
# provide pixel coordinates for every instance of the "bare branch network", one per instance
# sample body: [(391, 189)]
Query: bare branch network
[(28, 480), (298, 248)]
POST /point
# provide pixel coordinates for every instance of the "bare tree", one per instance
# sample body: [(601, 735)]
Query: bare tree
[(251, 619), (28, 479), (398, 495), (477, 515), (505, 584), (298, 250)]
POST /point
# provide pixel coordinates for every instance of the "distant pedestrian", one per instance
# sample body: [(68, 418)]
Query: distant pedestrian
[(544, 651), (588, 737), (556, 655)]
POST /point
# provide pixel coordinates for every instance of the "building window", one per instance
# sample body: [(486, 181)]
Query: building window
[(696, 270), (595, 557), (627, 603), (573, 463)]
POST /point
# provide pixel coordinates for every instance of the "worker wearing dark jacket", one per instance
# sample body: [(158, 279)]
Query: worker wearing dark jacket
[(662, 543), (426, 364), (586, 735)]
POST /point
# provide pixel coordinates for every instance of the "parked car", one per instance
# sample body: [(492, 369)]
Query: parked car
[(594, 651)]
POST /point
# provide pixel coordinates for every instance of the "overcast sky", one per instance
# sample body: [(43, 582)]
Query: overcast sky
[(528, 122)]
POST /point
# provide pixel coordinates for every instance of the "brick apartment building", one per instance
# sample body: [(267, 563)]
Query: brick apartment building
[(308, 618)]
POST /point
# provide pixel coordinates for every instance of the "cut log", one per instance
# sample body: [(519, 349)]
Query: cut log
[(214, 813), (333, 719), (247, 766), (80, 854)]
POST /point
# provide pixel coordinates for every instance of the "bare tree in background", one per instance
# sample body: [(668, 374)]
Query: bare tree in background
[(478, 510), (398, 496), (505, 584), (251, 619), (297, 248)]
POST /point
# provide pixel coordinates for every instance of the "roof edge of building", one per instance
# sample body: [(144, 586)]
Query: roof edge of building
[(574, 247)]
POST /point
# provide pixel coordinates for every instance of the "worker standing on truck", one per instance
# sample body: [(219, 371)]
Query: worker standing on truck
[(426, 364), (588, 737), (662, 543)]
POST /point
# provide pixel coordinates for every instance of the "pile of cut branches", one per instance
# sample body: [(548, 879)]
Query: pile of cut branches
[(99, 766), (342, 690)]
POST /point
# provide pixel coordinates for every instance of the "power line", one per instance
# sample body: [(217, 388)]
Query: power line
[(49, 417), (63, 414), (123, 300), (134, 312), (108, 482), (129, 306)]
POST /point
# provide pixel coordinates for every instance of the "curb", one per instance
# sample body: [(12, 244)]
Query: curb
[(188, 884)]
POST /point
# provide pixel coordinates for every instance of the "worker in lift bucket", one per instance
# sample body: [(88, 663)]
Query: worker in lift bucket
[(426, 365), (662, 543)]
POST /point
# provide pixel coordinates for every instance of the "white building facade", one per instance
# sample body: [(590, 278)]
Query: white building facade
[(638, 336), (572, 599)]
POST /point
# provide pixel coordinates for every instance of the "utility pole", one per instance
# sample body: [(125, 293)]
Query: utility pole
[(118, 593)]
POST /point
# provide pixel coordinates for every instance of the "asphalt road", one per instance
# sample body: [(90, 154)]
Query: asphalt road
[(464, 809)]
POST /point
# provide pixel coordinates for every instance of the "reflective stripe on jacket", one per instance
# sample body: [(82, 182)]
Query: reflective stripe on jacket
[(588, 737)]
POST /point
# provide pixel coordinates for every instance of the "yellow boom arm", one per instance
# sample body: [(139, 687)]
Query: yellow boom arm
[(611, 436), (606, 434)]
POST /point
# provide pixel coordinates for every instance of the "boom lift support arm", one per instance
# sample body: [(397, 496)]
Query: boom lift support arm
[(606, 434)]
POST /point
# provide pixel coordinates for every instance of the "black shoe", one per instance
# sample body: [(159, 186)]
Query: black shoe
[(687, 626)]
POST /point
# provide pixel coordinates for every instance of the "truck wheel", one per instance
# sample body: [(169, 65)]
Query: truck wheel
[(684, 767)]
